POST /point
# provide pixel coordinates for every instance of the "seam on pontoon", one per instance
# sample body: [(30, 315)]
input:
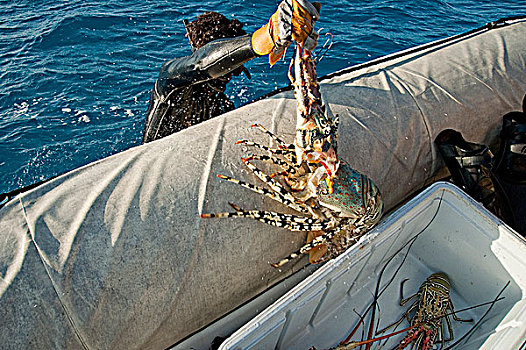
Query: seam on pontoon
[(32, 237), (424, 121)]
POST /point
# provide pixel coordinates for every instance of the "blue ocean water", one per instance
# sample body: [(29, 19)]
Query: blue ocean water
[(76, 74)]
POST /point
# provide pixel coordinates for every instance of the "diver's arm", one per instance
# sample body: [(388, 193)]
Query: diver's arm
[(213, 60), (293, 21)]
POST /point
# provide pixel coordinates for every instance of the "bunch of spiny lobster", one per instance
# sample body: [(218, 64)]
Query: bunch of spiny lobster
[(431, 309), (335, 203)]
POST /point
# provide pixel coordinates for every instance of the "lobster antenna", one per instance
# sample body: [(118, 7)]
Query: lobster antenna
[(352, 345), (327, 45), (475, 306), (379, 292), (497, 298)]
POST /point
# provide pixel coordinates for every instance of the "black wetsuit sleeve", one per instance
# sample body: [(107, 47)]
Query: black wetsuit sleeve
[(213, 60)]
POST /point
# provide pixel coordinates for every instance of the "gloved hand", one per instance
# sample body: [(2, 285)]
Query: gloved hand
[(294, 20)]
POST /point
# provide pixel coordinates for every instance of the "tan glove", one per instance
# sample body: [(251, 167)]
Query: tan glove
[(293, 21)]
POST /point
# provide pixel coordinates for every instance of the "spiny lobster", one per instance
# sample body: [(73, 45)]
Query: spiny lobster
[(431, 305), (431, 309), (338, 203)]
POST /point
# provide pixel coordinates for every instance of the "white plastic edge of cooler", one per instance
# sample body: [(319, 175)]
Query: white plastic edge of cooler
[(307, 314)]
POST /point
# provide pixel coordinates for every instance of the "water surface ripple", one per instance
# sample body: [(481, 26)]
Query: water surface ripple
[(76, 74)]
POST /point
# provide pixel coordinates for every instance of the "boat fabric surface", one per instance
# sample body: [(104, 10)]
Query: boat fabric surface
[(115, 255)]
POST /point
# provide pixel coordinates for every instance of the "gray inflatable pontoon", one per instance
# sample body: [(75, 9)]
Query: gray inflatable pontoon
[(115, 255)]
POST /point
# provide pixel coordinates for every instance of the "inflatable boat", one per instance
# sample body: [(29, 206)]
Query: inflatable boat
[(115, 255)]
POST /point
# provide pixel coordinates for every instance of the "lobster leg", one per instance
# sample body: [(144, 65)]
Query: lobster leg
[(455, 317), (280, 151), (277, 196), (282, 143), (289, 155), (402, 300), (289, 72), (288, 168), (404, 315), (276, 186), (416, 342), (290, 222), (412, 337), (442, 333), (448, 321), (314, 243), (392, 324)]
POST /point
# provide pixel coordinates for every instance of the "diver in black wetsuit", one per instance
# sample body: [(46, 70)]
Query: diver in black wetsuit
[(190, 89)]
